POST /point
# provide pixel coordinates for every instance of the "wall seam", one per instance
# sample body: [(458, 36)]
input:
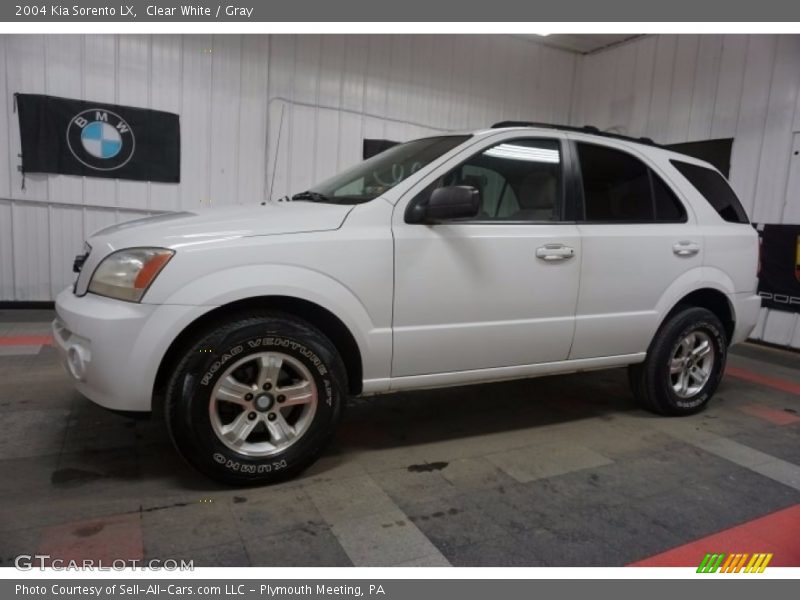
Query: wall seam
[(238, 145), (764, 128)]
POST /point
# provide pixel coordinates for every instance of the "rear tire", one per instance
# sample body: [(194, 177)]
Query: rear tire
[(684, 364), (256, 399)]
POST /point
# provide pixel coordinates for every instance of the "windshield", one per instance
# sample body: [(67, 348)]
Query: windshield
[(373, 177)]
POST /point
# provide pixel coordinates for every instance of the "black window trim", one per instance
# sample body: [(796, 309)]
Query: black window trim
[(563, 208), (580, 208)]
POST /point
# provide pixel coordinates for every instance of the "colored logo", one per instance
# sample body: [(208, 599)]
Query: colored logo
[(100, 139), (734, 563)]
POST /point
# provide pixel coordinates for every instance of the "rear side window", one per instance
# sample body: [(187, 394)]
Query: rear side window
[(715, 189), (668, 207), (619, 188)]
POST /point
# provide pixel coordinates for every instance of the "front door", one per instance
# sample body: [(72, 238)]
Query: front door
[(498, 290)]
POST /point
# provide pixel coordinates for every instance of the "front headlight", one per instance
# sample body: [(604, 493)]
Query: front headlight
[(126, 274)]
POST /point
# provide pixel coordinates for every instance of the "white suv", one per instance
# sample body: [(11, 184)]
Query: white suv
[(517, 251)]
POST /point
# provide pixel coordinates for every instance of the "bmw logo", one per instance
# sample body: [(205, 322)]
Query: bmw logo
[(100, 139)]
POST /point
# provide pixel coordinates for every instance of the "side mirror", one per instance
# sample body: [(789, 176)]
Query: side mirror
[(453, 202)]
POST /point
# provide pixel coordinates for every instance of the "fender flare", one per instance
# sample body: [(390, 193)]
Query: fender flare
[(699, 278), (251, 281)]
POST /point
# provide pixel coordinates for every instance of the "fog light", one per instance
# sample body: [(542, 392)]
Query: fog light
[(76, 362)]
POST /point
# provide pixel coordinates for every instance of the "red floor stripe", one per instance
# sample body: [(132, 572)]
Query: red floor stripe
[(105, 539), (776, 533), (772, 415), (783, 385), (26, 340)]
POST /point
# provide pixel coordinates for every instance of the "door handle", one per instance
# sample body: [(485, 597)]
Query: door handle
[(551, 252), (686, 248)]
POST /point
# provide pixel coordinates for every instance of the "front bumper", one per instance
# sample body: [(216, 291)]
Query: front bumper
[(112, 349)]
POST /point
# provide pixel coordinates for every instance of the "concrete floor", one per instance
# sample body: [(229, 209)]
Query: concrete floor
[(561, 471)]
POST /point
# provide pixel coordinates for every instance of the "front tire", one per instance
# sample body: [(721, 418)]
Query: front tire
[(684, 364), (256, 399)]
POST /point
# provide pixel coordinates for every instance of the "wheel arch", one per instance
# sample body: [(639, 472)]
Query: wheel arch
[(711, 299), (318, 316)]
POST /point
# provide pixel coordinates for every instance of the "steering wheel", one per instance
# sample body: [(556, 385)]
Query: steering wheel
[(398, 174)]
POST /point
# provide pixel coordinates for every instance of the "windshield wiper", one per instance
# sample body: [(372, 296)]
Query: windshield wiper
[(311, 196)]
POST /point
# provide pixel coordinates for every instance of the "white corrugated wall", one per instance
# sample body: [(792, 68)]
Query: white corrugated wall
[(261, 116), (265, 116), (680, 88)]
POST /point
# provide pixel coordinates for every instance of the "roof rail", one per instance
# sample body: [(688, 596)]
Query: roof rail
[(590, 129)]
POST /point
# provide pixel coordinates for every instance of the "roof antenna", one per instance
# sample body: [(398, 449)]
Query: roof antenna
[(275, 159)]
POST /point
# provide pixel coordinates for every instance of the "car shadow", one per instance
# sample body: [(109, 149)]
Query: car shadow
[(426, 416), (133, 449)]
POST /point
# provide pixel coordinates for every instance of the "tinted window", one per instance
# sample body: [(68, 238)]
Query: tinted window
[(715, 189), (668, 207), (618, 187), (518, 180)]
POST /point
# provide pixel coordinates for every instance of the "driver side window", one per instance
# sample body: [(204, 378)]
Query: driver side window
[(517, 180)]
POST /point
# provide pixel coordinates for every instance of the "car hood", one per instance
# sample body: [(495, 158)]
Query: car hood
[(174, 230)]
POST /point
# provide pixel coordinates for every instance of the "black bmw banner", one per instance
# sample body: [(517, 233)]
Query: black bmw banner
[(76, 137), (779, 279)]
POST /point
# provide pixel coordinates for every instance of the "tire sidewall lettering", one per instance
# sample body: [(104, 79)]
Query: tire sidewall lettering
[(298, 347), (218, 364), (248, 468)]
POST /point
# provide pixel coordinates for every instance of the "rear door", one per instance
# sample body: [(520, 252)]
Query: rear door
[(637, 239)]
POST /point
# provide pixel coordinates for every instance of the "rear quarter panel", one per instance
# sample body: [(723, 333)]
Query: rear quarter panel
[(731, 248)]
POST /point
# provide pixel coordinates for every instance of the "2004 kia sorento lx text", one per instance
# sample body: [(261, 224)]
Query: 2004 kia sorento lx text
[(506, 253)]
